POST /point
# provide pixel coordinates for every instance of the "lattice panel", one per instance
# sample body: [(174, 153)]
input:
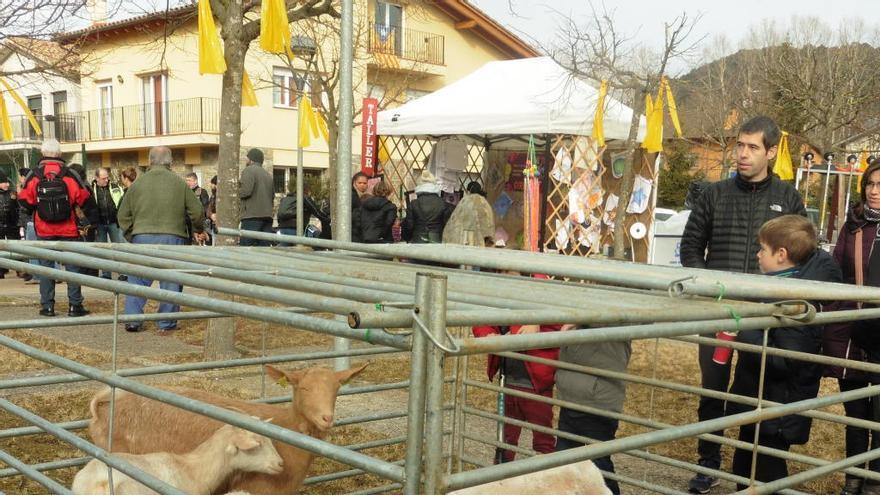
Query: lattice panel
[(407, 157), (575, 224)]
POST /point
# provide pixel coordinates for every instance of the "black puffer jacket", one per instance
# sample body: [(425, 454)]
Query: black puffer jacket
[(8, 211), (375, 217), (786, 380), (287, 212), (726, 220), (425, 219)]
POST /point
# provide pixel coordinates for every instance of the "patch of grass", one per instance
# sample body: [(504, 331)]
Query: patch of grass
[(15, 362)]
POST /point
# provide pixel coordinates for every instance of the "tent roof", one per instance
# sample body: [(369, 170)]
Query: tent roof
[(511, 97)]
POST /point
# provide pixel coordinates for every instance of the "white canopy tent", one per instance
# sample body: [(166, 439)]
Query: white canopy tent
[(509, 98)]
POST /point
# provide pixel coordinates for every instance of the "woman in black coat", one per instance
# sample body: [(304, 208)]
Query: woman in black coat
[(426, 217), (376, 215)]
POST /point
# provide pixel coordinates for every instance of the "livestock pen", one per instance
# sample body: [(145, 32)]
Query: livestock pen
[(421, 315)]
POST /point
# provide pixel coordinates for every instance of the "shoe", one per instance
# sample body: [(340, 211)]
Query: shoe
[(47, 310), (122, 278), (25, 276), (702, 483), (853, 486), (168, 329), (77, 310), (132, 327)]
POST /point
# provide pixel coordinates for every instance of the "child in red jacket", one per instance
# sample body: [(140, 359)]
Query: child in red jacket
[(529, 377)]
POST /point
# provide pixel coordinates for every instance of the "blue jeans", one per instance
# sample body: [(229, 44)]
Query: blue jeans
[(108, 233), (286, 231), (258, 225), (47, 284), (134, 305)]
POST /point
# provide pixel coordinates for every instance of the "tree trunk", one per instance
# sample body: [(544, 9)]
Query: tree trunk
[(219, 338), (626, 184)]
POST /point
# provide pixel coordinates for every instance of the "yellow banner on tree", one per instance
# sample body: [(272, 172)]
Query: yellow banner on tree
[(211, 59), (673, 109), (248, 95), (599, 118), (783, 167), (24, 108), (653, 142), (311, 123), (274, 27)]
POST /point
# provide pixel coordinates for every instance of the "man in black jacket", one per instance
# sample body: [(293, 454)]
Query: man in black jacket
[(722, 234), (9, 228)]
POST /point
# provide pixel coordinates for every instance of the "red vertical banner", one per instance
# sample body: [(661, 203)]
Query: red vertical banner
[(368, 136)]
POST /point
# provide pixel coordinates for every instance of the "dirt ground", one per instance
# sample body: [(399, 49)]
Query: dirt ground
[(92, 345)]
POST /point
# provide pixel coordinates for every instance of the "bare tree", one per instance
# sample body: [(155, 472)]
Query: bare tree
[(599, 51), (239, 27), (820, 83)]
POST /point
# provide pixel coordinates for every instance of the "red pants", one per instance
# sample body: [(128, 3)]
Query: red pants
[(538, 413)]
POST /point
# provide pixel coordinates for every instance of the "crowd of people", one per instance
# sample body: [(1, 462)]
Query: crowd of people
[(750, 223)]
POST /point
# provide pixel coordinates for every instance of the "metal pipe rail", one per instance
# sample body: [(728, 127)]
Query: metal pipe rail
[(362, 315), (634, 332), (320, 325), (547, 461), (693, 281), (305, 442)]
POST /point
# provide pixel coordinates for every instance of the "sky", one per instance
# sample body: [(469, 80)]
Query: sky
[(643, 19)]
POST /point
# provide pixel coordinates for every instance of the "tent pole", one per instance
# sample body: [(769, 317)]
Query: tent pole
[(545, 180)]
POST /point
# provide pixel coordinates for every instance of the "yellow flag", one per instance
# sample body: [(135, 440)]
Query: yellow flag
[(306, 115), (24, 108), (783, 167), (863, 159), (248, 96), (383, 155), (211, 59), (599, 118), (673, 110), (5, 124), (653, 142), (274, 27), (322, 126)]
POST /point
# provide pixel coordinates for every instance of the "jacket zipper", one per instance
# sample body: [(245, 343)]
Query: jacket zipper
[(749, 229)]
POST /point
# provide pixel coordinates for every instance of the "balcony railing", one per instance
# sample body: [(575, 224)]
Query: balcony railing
[(407, 44), (193, 115)]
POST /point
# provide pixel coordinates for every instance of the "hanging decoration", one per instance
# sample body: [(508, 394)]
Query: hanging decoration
[(5, 123), (211, 60), (641, 195), (274, 27), (863, 159), (531, 199), (599, 118), (783, 166), (673, 109), (383, 154), (248, 96), (653, 142), (311, 123)]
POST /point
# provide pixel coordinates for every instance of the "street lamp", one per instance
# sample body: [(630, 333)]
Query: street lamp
[(305, 48)]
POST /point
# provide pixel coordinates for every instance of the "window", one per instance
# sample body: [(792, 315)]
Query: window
[(389, 23), (155, 101), (287, 87), (35, 105), (59, 102), (105, 109), (280, 177)]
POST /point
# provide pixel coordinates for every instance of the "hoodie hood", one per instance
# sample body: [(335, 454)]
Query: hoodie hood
[(428, 188), (820, 266)]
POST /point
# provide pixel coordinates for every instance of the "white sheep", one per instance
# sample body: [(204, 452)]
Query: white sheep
[(198, 472)]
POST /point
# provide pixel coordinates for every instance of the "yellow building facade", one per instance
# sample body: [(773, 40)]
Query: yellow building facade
[(140, 85)]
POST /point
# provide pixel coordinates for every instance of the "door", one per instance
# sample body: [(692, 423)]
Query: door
[(389, 26), (155, 102), (35, 105), (105, 110)]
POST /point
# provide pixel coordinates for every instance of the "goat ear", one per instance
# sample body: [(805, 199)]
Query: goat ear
[(346, 375), (246, 441)]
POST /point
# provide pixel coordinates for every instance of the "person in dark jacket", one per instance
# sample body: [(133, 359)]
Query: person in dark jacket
[(842, 340), (375, 218), (428, 214), (9, 228), (722, 234), (287, 212), (788, 249)]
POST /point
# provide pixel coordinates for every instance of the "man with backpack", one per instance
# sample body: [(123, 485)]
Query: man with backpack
[(53, 192)]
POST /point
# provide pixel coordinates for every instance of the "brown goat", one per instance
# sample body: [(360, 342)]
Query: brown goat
[(143, 425)]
